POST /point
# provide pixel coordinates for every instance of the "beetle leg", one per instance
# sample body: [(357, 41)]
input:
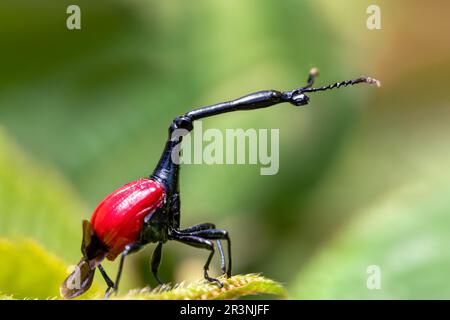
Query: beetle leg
[(156, 260), (128, 249), (198, 227), (217, 234), (207, 226), (199, 242), (222, 257), (108, 280)]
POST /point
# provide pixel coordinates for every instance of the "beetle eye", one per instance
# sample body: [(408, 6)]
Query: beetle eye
[(299, 99)]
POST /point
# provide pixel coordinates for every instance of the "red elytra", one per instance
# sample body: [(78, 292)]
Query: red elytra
[(118, 219)]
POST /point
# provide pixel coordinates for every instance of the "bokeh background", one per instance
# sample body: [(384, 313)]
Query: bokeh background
[(364, 172)]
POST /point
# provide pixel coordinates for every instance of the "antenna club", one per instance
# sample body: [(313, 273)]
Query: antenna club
[(373, 81), (314, 72)]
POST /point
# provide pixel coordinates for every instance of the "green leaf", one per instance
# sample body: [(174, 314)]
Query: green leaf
[(39, 205), (28, 271), (233, 288), (31, 272), (405, 234), (36, 202)]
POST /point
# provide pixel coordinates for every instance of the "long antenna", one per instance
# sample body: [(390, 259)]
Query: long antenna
[(336, 85)]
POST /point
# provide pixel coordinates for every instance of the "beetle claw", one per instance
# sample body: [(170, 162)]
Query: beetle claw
[(214, 280), (110, 291), (219, 283)]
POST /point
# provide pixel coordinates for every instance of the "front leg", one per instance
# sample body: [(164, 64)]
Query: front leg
[(198, 243), (208, 226), (217, 234), (198, 227)]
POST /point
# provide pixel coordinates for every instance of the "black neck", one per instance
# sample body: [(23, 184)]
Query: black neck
[(167, 171)]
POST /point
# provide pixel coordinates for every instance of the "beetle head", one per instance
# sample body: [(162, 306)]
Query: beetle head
[(299, 99)]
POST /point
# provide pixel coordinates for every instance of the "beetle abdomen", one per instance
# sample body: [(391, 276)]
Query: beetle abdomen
[(117, 220)]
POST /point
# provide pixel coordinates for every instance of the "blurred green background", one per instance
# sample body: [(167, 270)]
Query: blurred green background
[(363, 176)]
